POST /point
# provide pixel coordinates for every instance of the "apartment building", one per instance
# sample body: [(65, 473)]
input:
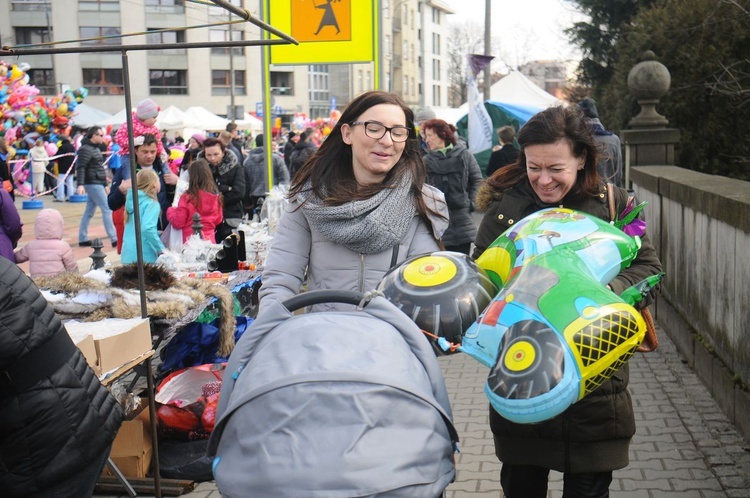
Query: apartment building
[(413, 41)]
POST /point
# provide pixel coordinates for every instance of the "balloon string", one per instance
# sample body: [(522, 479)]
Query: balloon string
[(454, 347)]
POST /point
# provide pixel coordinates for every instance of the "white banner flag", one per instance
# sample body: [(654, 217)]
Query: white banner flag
[(480, 124)]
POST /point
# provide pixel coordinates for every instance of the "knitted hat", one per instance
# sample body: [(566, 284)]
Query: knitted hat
[(424, 114), (588, 107), (198, 138), (146, 109)]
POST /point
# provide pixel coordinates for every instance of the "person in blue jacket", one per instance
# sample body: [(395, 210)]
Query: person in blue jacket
[(148, 184)]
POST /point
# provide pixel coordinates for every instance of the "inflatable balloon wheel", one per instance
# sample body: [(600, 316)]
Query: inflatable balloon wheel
[(442, 292), (530, 363), (78, 198)]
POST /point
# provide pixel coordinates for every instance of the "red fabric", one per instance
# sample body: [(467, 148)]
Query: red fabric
[(118, 218), (139, 129), (210, 212)]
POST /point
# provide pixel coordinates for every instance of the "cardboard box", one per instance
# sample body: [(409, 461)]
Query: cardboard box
[(85, 342), (132, 448), (115, 341), (121, 342)]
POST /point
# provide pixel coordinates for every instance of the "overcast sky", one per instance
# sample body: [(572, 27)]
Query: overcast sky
[(525, 29)]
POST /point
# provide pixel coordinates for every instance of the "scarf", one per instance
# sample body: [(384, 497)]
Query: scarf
[(366, 226)]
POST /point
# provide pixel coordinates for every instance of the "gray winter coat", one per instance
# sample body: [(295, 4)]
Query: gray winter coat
[(297, 249), (457, 159), (257, 172)]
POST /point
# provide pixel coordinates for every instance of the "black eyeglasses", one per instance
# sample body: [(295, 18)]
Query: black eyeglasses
[(376, 130)]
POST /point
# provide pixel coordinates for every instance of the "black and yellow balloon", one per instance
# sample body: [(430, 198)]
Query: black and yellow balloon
[(442, 292)]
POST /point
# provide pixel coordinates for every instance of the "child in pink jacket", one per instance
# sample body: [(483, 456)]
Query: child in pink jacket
[(144, 121), (48, 255)]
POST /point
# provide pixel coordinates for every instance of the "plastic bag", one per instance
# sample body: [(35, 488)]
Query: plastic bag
[(188, 400), (171, 237)]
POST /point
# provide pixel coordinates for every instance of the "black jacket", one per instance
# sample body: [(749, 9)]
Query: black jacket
[(301, 153), (90, 167), (229, 176), (59, 425), (65, 162), (593, 434), (507, 154)]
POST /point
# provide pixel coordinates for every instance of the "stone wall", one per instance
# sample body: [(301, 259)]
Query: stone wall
[(700, 225)]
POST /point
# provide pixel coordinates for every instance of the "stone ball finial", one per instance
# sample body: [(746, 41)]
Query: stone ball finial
[(648, 81)]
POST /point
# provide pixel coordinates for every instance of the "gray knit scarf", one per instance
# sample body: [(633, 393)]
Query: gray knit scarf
[(366, 226)]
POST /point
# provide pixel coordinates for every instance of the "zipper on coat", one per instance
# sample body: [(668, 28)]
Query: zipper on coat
[(361, 285)]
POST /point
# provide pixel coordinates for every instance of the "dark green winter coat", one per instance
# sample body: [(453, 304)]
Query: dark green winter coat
[(593, 435)]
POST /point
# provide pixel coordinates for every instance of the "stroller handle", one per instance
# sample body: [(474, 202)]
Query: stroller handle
[(325, 296)]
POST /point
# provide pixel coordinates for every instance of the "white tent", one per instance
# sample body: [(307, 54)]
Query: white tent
[(250, 122), (517, 89), (206, 120), (116, 120), (172, 118), (451, 114), (85, 116)]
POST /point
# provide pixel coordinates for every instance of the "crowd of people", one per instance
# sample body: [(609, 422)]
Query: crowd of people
[(386, 184)]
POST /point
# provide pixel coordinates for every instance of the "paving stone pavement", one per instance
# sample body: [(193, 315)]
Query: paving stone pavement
[(684, 446)]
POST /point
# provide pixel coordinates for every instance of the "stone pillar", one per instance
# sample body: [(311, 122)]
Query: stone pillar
[(648, 141)]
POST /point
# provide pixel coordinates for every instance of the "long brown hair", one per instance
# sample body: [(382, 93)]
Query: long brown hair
[(201, 178), (548, 127), (331, 165)]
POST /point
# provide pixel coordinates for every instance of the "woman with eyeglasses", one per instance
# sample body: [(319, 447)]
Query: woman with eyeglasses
[(359, 206), (454, 170)]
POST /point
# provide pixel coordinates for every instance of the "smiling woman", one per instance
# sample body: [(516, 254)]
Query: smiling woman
[(557, 168), (357, 207)]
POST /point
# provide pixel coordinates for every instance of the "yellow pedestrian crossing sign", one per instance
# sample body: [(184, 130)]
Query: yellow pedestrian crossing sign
[(329, 31)]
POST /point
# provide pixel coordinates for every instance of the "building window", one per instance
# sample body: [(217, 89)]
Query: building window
[(31, 5), (405, 85), (43, 79), (281, 83), (99, 5), (103, 81), (220, 82), (32, 36), (168, 82), (158, 37), (435, 16), (318, 85), (435, 43), (98, 32), (406, 51), (387, 50), (436, 101), (165, 6), (222, 35), (436, 69), (368, 80)]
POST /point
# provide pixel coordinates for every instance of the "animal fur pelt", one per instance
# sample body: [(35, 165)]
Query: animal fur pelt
[(75, 296)]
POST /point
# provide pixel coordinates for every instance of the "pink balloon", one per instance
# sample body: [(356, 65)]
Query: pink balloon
[(51, 149)]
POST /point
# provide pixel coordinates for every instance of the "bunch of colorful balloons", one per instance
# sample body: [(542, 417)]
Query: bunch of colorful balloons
[(25, 115)]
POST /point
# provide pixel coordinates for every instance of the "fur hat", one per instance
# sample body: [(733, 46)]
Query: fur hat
[(424, 114), (588, 107), (146, 109)]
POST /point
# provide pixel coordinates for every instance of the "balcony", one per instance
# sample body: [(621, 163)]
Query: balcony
[(282, 90), (32, 5), (397, 60), (396, 24)]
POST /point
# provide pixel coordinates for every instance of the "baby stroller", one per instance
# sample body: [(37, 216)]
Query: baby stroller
[(340, 404)]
